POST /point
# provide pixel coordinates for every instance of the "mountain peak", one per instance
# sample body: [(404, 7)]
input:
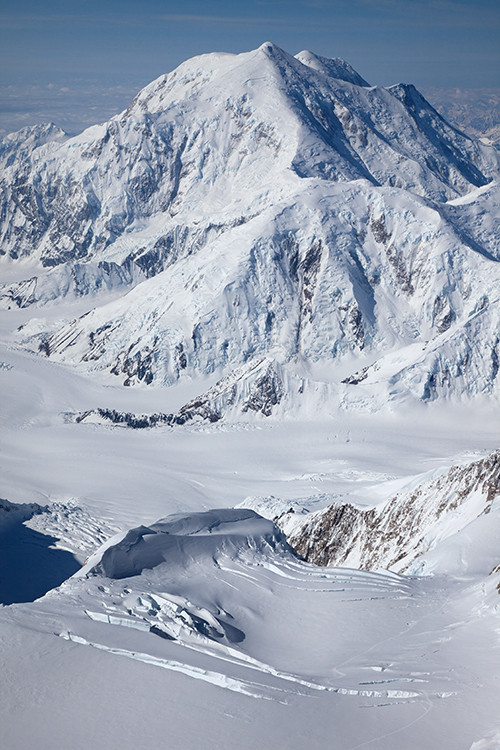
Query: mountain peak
[(269, 48), (263, 205), (17, 145)]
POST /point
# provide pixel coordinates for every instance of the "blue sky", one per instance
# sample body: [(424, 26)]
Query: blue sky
[(85, 59)]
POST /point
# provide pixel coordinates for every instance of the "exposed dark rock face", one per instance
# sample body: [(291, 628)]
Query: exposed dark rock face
[(443, 314), (138, 366), (196, 410), (357, 377), (127, 419), (379, 231), (23, 294), (393, 535), (257, 389), (266, 392), (308, 270)]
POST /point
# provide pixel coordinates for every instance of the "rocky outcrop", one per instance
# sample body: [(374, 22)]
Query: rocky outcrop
[(256, 389), (411, 523)]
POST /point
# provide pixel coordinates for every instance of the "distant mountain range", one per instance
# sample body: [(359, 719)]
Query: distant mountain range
[(275, 223), (475, 111)]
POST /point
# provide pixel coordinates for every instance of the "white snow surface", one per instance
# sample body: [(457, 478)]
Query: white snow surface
[(214, 609)]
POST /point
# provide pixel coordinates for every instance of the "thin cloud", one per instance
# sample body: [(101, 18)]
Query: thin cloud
[(22, 22), (255, 20), (445, 14), (441, 13), (343, 15)]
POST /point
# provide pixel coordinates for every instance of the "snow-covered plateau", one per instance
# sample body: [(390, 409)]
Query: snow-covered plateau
[(249, 366)]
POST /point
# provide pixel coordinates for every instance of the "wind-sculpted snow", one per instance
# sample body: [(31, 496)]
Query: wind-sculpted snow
[(333, 68), (396, 533), (261, 207), (179, 539)]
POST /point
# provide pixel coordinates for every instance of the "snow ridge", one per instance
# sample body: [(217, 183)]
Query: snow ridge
[(397, 533)]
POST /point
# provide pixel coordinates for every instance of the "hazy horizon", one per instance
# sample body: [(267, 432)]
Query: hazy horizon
[(81, 65)]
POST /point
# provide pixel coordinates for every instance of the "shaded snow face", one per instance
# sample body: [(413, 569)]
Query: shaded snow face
[(41, 546), (177, 540), (30, 564)]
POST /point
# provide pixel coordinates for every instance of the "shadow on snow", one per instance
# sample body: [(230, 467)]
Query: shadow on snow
[(28, 566)]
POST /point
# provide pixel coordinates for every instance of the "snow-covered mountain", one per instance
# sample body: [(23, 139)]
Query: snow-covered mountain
[(17, 147), (205, 627), (263, 207), (270, 236), (447, 513)]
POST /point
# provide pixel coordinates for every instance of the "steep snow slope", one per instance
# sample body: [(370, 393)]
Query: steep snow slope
[(396, 533), (238, 122), (263, 206), (306, 289), (16, 148)]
